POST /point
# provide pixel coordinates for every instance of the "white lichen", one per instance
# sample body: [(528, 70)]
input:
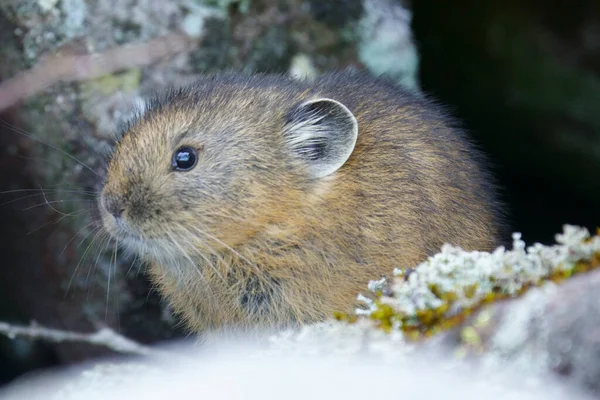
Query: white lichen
[(455, 280), (386, 44), (75, 12), (47, 5), (340, 339), (472, 276), (302, 67)]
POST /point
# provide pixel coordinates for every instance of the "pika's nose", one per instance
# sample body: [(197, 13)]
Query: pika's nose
[(113, 205)]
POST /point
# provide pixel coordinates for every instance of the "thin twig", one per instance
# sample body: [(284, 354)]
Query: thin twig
[(104, 337), (69, 68)]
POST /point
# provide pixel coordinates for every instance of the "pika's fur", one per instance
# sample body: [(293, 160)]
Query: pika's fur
[(301, 194)]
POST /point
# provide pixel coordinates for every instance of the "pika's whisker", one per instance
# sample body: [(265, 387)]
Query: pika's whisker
[(194, 264), (135, 257), (257, 270), (73, 275), (47, 190), (56, 221), (73, 238), (105, 242), (47, 203), (226, 246), (112, 264), (210, 250), (206, 284), (61, 151), (46, 200), (35, 195)]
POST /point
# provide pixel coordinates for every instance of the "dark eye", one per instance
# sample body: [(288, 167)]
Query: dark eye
[(184, 158)]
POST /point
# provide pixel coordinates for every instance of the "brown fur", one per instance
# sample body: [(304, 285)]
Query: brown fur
[(277, 248)]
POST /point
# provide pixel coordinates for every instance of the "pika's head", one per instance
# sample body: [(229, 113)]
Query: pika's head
[(211, 166)]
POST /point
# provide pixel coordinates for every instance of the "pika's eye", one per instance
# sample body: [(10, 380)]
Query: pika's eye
[(184, 159)]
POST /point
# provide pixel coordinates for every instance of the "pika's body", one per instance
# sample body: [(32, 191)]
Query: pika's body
[(299, 193)]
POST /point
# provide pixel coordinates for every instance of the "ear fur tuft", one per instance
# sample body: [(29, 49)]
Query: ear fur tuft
[(323, 133)]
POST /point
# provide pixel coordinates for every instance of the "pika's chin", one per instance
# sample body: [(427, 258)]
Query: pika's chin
[(150, 249)]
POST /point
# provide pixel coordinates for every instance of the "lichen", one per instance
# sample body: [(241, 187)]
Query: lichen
[(443, 291), (242, 5), (386, 45), (108, 84), (62, 21), (302, 67)]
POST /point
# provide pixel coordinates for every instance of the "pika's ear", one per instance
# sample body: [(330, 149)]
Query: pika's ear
[(322, 133)]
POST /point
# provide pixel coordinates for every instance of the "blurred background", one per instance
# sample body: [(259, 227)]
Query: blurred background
[(523, 76)]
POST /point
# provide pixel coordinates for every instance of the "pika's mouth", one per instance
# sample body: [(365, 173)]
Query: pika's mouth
[(121, 230), (132, 237), (131, 240)]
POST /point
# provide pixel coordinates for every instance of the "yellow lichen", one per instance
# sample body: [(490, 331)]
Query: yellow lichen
[(106, 85)]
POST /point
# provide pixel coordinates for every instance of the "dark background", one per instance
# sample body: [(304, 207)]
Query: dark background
[(523, 76)]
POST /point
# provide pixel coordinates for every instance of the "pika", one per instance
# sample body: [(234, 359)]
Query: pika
[(261, 202)]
